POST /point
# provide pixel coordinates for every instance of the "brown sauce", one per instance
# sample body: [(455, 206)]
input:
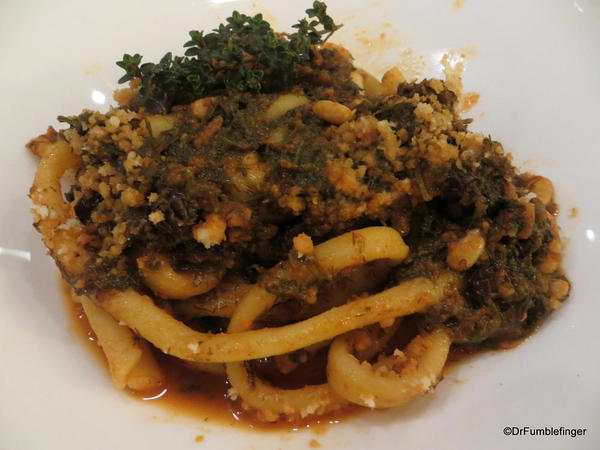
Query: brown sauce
[(199, 395), (573, 213)]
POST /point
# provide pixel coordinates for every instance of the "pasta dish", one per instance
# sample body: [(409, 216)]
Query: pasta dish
[(260, 205)]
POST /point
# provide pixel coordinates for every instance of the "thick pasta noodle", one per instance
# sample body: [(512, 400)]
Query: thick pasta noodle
[(167, 283), (296, 224), (422, 366)]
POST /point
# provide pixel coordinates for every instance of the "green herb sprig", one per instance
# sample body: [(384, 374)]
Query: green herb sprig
[(243, 54)]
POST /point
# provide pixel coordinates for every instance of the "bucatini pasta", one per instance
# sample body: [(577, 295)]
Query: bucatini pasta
[(261, 202)]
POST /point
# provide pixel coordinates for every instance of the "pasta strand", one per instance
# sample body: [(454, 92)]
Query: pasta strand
[(175, 338)]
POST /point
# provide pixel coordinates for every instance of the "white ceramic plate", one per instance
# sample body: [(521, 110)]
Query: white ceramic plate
[(536, 68)]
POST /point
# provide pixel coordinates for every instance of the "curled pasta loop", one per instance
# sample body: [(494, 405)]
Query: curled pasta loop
[(53, 217), (167, 283), (379, 386), (271, 402)]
